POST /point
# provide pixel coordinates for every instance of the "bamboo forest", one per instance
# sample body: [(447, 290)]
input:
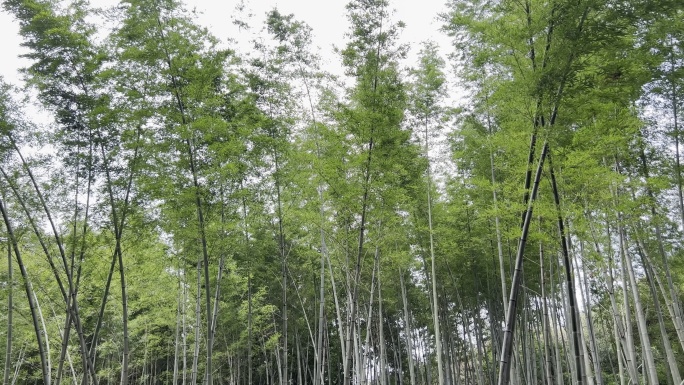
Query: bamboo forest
[(508, 209)]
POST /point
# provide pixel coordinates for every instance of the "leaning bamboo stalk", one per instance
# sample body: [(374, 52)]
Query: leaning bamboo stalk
[(639, 310), (10, 289), (28, 287), (672, 366), (570, 284), (507, 345)]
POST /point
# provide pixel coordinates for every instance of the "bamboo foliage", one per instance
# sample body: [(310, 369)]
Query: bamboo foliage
[(200, 214)]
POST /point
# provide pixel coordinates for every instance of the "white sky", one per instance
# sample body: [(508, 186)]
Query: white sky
[(327, 18)]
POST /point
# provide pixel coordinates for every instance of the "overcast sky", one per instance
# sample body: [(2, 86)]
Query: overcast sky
[(327, 18)]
